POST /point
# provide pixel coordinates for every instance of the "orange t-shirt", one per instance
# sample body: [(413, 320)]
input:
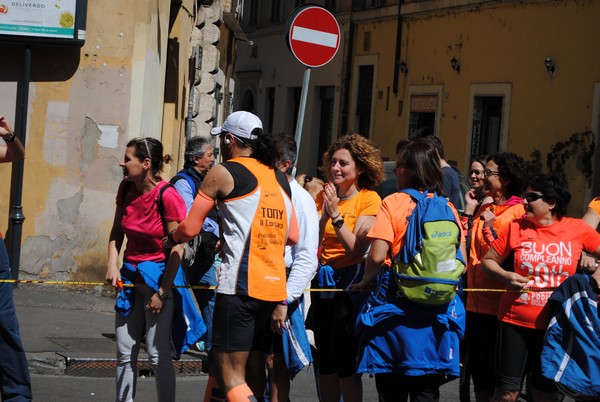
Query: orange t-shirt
[(595, 205), (486, 302), (363, 203), (547, 255), (392, 221)]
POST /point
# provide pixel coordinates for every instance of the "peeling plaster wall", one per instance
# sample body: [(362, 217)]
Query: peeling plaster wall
[(84, 106)]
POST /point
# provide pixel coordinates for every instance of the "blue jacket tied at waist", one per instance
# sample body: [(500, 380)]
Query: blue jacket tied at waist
[(571, 351), (399, 336), (329, 278), (296, 347), (188, 326)]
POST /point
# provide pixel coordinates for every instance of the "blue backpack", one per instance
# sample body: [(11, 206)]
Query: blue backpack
[(430, 264)]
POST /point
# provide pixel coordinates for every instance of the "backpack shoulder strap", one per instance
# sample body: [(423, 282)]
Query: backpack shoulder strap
[(413, 236), (415, 194), (182, 175), (161, 207), (123, 194)]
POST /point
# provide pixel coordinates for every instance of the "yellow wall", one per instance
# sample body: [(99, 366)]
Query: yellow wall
[(386, 129), (85, 104), (505, 42)]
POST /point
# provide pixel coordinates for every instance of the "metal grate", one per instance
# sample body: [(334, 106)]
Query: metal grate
[(106, 367)]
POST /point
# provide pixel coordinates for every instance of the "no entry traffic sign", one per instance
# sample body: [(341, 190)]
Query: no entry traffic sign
[(313, 35)]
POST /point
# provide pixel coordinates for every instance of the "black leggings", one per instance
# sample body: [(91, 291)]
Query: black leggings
[(480, 342), (519, 352), (337, 347)]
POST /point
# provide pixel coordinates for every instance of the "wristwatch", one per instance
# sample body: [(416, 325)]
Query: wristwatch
[(10, 138), (171, 239), (162, 296), (338, 224)]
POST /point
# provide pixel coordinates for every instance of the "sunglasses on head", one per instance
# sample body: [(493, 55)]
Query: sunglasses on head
[(532, 196)]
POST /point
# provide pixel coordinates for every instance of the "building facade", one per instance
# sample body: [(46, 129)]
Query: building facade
[(147, 68), (485, 76)]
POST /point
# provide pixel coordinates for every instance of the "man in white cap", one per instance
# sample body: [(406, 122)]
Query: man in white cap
[(258, 220), (283, 363)]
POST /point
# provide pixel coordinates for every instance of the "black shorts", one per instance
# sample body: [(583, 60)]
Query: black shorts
[(519, 353), (237, 319), (267, 341)]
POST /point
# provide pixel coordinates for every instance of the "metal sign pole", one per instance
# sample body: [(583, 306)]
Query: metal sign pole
[(301, 110), (313, 37), (17, 218)]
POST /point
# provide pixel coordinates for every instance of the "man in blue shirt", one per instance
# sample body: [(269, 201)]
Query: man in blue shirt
[(199, 158)]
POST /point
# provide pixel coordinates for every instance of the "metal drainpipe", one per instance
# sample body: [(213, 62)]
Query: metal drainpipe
[(195, 61), (189, 119), (398, 49), (348, 73)]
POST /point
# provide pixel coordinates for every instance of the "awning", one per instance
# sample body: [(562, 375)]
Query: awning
[(234, 26)]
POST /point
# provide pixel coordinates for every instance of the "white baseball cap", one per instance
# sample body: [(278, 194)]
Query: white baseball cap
[(241, 124)]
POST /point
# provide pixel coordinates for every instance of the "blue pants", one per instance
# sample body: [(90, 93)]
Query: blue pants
[(14, 371)]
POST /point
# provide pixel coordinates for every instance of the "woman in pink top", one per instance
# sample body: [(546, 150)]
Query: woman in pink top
[(147, 308)]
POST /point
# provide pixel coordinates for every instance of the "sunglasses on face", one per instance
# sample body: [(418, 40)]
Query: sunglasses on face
[(307, 179), (532, 196)]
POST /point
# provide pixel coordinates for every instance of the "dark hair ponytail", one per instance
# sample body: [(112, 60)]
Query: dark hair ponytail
[(265, 149)]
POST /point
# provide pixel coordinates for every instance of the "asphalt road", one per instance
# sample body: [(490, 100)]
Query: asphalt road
[(55, 320), (50, 388)]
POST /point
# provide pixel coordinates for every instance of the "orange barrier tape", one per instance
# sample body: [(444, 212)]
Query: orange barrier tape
[(73, 283), (511, 290)]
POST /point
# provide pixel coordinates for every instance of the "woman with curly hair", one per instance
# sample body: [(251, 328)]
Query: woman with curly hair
[(531, 257), (505, 179), (348, 206)]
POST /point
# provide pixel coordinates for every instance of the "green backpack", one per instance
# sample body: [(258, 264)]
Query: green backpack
[(429, 267)]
